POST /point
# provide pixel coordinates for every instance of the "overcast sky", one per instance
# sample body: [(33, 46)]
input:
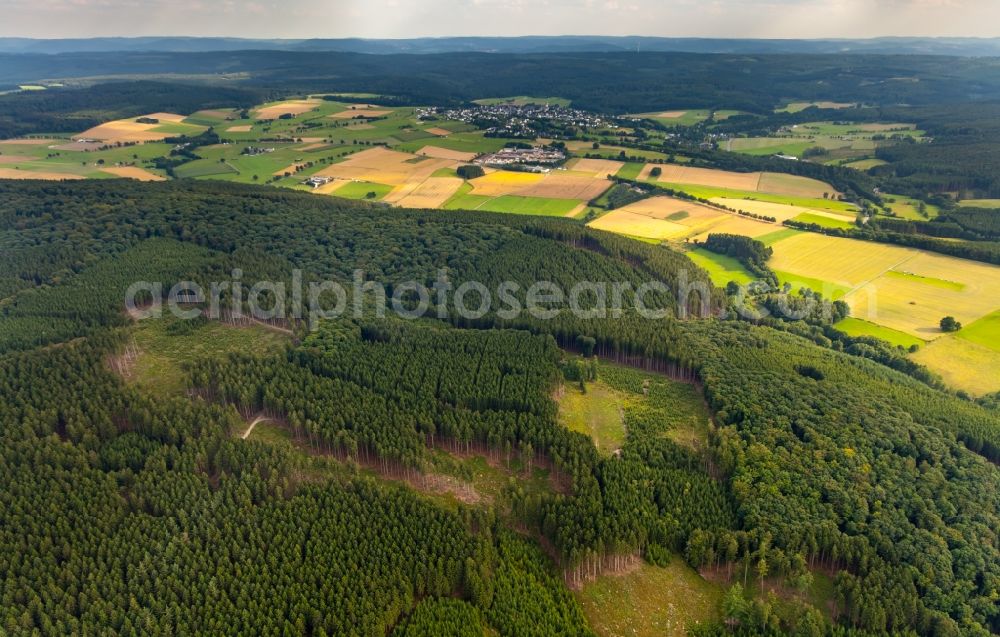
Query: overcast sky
[(417, 18)]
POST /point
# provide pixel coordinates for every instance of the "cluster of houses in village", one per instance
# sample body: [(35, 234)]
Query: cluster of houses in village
[(529, 159), (520, 120)]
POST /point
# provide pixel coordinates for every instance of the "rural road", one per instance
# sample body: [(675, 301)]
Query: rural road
[(246, 434)]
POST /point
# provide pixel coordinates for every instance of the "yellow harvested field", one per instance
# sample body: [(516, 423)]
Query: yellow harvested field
[(903, 288), (745, 226), (644, 173), (293, 107), (622, 221), (779, 211), (663, 218), (440, 132), (794, 186), (445, 153), (133, 172), (432, 193), (167, 117), (601, 168), (709, 177), (242, 128), (687, 212), (313, 146), (672, 114), (774, 183), (962, 364), (13, 173), (129, 130), (353, 113), (849, 262), (566, 185), (383, 166), (933, 285), (836, 216), (503, 182), (578, 210)]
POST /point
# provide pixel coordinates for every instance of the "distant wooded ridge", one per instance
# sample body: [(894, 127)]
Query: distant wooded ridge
[(524, 44)]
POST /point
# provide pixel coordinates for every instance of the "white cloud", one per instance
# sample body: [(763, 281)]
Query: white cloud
[(415, 18)]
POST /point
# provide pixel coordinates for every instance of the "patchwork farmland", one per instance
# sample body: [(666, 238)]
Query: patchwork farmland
[(391, 155)]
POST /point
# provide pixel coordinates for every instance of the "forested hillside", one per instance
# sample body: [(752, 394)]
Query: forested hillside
[(128, 513)]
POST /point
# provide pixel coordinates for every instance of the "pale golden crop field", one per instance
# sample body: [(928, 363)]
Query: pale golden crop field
[(664, 218), (709, 177), (431, 193), (637, 225), (501, 182), (902, 288), (292, 107), (779, 211), (129, 130), (383, 166)]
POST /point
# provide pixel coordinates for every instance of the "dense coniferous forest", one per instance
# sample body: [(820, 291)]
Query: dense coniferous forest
[(133, 514), (611, 82)]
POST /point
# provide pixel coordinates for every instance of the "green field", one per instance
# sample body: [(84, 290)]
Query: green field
[(614, 152), (768, 146), (908, 207), (462, 200), (178, 128), (203, 168), (522, 100), (985, 332), (413, 135), (795, 107), (721, 268), (772, 238), (166, 344), (927, 280), (980, 203), (864, 164), (858, 327), (824, 222), (857, 131), (629, 171), (514, 204), (362, 190), (529, 205), (595, 413), (463, 142), (689, 118), (650, 601), (828, 290)]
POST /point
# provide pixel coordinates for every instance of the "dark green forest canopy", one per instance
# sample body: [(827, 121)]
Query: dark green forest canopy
[(611, 82), (146, 514)]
